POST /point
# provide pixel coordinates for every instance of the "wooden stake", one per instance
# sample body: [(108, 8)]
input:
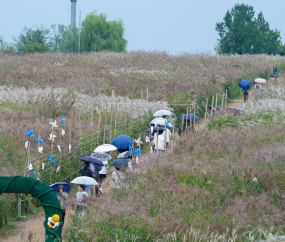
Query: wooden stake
[(91, 127), (212, 106), (99, 122), (173, 137), (115, 118), (142, 104), (147, 96), (105, 125), (133, 151), (223, 100), (70, 123), (51, 162), (132, 104), (187, 122), (139, 141), (38, 166), (125, 113), (194, 118), (80, 132), (182, 127), (165, 135), (226, 98), (216, 104), (206, 110)]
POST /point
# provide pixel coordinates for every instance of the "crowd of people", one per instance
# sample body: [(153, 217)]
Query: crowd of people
[(159, 137)]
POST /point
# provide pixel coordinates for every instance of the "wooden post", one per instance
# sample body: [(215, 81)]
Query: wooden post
[(194, 118), (142, 105), (105, 125), (187, 122), (132, 104), (182, 121), (216, 104), (19, 207), (157, 131), (206, 110), (111, 120), (139, 141), (38, 166), (165, 135), (191, 125), (147, 96), (91, 128), (99, 122), (149, 135), (125, 113), (212, 106), (51, 162), (70, 123), (80, 132), (115, 118), (133, 151), (173, 137), (226, 98), (223, 100)]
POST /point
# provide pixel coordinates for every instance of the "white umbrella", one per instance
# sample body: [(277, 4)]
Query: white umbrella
[(260, 80), (105, 148), (162, 113), (161, 121), (85, 180)]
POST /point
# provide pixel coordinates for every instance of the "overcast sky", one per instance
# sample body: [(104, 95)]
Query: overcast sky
[(171, 25)]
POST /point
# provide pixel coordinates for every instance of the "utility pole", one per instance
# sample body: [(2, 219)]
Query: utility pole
[(79, 31)]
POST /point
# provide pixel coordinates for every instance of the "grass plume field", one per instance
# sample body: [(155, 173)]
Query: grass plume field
[(207, 185)]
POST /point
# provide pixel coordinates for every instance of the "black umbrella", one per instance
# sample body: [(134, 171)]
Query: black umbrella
[(121, 162), (91, 159)]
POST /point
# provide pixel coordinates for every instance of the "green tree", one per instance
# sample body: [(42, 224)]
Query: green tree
[(6, 48), (96, 34), (33, 40), (241, 33)]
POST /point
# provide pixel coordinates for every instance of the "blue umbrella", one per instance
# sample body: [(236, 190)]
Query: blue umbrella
[(244, 84), (121, 162), (101, 156), (57, 184), (91, 159), (187, 117), (122, 141)]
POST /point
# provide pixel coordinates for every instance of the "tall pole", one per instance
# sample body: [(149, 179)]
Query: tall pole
[(73, 13), (79, 32)]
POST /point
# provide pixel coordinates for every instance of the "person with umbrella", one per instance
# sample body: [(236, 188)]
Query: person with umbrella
[(62, 196), (80, 195), (159, 142), (118, 177), (94, 168), (85, 171), (103, 175), (245, 85)]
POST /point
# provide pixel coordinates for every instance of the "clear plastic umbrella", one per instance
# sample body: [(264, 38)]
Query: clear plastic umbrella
[(105, 148), (260, 80), (160, 121), (85, 180), (162, 113)]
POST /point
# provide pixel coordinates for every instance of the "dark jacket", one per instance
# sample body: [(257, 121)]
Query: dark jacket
[(86, 172), (95, 169)]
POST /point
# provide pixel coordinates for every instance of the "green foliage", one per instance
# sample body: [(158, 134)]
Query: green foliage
[(178, 98), (241, 33), (33, 40), (226, 120), (96, 34)]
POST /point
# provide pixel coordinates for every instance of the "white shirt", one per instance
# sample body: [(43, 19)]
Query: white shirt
[(159, 142), (104, 170), (118, 178), (168, 135), (80, 196)]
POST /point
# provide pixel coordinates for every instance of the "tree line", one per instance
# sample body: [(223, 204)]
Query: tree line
[(96, 34), (241, 33)]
